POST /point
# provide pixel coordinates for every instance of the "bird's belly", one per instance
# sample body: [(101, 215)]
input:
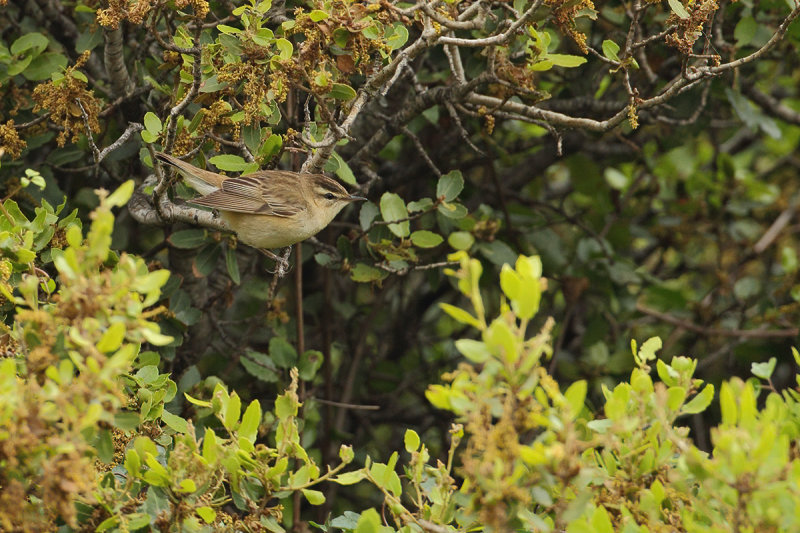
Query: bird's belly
[(269, 232)]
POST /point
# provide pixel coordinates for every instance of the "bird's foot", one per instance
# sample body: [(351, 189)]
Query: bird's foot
[(282, 266)]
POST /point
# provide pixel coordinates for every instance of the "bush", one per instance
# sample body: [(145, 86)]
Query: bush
[(87, 444)]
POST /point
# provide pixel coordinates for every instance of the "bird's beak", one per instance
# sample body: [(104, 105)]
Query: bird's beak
[(354, 198)]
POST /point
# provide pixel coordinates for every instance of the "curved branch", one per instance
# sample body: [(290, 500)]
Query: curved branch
[(143, 211)]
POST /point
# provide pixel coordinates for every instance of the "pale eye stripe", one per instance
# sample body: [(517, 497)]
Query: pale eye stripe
[(323, 191), (329, 185)]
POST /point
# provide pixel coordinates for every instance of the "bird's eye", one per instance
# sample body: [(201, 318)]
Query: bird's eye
[(329, 196)]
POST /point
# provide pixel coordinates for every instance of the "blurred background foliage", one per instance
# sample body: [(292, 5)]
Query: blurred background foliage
[(645, 151)]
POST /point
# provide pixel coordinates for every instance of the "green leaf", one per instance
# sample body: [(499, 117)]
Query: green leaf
[(232, 264), (450, 186), (207, 514), (88, 40), (426, 239), (678, 9), (475, 351), (133, 463), (350, 478), (601, 522), (745, 31), (399, 36), (700, 402), (105, 446), (566, 60), (195, 401), (229, 30), (285, 406), (107, 524), (363, 273), (271, 147), (187, 486), (461, 240), (610, 50), (285, 48), (314, 497), (341, 91), (373, 31), (343, 170), (112, 338), (310, 363), (648, 350), (460, 315), (541, 66), (368, 213), (576, 396), (210, 446), (452, 210), (727, 405), (667, 374), (44, 65), (250, 422), (423, 204), (411, 441), (120, 197), (259, 365), (152, 123), (394, 208), (148, 137), (30, 41), (282, 353), (186, 239), (675, 397), (174, 422), (616, 179), (229, 162), (232, 412), (317, 15), (764, 370)]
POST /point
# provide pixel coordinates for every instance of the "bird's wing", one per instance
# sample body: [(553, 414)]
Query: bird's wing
[(273, 193), (226, 201)]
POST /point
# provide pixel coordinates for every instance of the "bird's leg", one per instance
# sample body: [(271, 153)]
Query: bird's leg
[(281, 261)]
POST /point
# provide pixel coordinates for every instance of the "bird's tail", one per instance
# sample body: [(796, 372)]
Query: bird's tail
[(203, 181)]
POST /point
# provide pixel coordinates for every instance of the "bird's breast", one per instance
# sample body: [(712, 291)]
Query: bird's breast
[(269, 232)]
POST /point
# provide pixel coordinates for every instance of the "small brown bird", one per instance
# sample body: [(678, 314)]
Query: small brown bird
[(270, 208)]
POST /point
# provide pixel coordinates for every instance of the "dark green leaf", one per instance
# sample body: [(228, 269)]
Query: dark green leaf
[(188, 238), (42, 66), (368, 213), (36, 42), (206, 259), (259, 365), (745, 31), (341, 91), (282, 353), (365, 273), (310, 363), (232, 264)]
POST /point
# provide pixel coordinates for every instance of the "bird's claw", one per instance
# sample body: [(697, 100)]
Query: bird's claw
[(282, 266)]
